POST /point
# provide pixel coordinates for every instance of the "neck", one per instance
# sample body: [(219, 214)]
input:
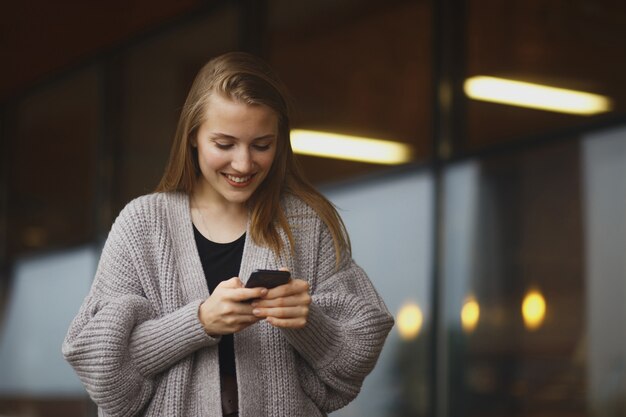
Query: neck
[(218, 220), (209, 201)]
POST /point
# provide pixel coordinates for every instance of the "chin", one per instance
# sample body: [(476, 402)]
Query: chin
[(239, 199)]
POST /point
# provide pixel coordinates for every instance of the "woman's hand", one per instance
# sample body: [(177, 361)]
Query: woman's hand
[(228, 309), (286, 305)]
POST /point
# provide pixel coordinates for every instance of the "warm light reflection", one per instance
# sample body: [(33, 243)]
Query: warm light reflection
[(332, 145), (409, 321), (533, 309), (542, 97), (470, 314)]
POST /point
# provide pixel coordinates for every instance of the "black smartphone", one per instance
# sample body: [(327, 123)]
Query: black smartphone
[(267, 278)]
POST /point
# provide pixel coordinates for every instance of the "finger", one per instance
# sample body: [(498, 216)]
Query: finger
[(302, 299), (293, 287), (233, 289), (234, 282), (297, 323), (282, 312), (233, 309), (247, 294)]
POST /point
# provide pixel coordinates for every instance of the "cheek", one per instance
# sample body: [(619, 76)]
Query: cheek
[(212, 160), (267, 159)]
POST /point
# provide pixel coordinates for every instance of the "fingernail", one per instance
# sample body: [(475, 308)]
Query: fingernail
[(256, 311)]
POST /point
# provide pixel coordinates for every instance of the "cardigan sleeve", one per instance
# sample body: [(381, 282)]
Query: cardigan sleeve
[(347, 326), (116, 344)]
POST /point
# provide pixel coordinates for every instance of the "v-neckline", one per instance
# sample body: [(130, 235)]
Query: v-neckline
[(192, 279)]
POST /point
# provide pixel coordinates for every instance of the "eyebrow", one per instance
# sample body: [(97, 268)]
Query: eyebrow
[(219, 135)]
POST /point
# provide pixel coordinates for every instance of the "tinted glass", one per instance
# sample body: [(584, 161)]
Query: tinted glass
[(52, 166), (357, 68), (574, 45), (534, 280)]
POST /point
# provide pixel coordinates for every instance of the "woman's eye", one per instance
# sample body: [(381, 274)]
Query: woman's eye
[(262, 147), (223, 145)]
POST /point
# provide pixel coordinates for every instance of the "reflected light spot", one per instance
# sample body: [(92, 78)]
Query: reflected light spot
[(470, 314), (34, 236), (410, 320), (533, 310)]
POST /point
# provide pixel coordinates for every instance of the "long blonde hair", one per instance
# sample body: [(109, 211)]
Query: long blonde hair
[(246, 78)]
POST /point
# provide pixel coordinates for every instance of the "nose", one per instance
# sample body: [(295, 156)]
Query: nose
[(242, 162)]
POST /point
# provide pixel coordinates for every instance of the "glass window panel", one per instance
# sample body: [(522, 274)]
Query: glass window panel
[(52, 143), (568, 44), (31, 363), (534, 280), (604, 163), (396, 252), (356, 67), (52, 165)]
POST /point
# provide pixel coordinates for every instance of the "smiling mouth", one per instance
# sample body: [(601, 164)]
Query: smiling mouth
[(239, 181)]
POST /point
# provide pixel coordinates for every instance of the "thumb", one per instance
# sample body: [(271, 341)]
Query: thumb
[(234, 282)]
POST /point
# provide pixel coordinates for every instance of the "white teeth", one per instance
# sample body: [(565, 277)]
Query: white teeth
[(239, 180)]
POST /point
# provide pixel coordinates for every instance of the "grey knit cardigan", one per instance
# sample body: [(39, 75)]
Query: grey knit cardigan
[(138, 346)]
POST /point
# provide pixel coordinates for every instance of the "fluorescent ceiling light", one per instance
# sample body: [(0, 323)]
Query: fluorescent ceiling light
[(518, 93), (331, 145)]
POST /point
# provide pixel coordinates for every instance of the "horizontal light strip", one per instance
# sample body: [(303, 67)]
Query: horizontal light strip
[(518, 93), (352, 148)]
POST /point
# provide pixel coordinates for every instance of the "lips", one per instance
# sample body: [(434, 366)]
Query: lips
[(238, 180)]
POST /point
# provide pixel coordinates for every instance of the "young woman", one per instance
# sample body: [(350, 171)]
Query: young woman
[(169, 328)]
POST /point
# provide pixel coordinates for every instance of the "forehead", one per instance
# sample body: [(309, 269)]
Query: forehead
[(229, 115)]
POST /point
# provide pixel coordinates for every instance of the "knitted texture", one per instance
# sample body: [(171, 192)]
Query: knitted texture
[(140, 350)]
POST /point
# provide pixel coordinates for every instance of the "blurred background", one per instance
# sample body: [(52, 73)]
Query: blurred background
[(496, 234)]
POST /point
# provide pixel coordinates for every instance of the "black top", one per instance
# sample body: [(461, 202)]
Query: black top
[(221, 261)]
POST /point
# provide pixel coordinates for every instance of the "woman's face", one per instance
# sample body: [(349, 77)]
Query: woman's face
[(236, 147)]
